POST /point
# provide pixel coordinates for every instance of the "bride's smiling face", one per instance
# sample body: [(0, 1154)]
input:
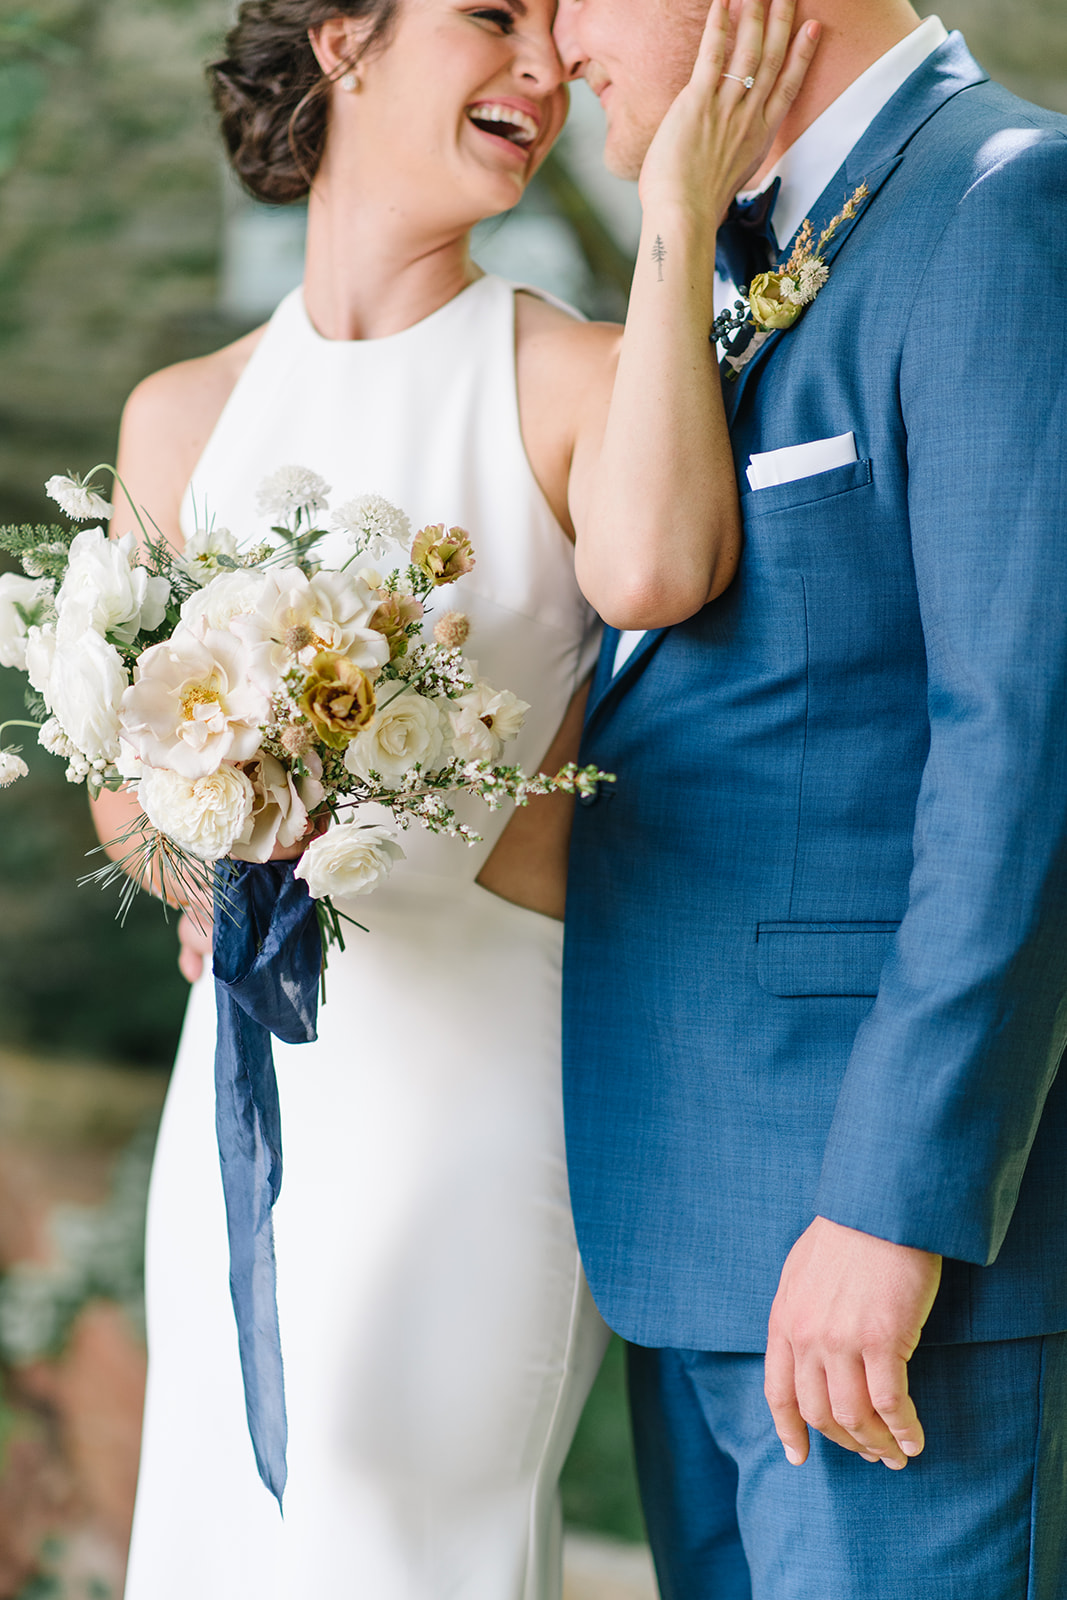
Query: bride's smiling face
[(454, 114)]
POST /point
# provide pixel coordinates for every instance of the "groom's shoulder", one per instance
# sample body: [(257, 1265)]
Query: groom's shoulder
[(979, 130)]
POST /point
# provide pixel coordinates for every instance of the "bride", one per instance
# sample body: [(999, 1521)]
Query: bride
[(438, 1335)]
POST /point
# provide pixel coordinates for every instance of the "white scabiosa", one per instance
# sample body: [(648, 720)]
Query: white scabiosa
[(292, 492), (348, 860), (372, 524), (77, 497), (203, 816), (12, 768)]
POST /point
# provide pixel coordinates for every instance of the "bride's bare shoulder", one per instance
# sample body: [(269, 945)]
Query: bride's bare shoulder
[(547, 335), (169, 418)]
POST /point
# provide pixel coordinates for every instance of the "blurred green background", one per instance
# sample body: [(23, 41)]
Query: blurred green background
[(124, 247)]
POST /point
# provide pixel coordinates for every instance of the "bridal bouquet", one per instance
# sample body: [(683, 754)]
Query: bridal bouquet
[(247, 696)]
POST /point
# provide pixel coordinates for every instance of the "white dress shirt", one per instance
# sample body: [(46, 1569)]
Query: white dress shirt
[(811, 161)]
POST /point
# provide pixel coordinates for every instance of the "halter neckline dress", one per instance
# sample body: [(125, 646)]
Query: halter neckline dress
[(438, 1336)]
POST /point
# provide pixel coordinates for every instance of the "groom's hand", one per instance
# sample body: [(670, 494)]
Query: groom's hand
[(844, 1325)]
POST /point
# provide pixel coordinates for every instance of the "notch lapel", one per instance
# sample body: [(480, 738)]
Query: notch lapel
[(606, 684)]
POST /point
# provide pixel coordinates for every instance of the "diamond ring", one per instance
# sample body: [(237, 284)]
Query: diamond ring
[(749, 83)]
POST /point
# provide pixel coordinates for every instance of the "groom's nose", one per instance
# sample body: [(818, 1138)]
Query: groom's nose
[(566, 32)]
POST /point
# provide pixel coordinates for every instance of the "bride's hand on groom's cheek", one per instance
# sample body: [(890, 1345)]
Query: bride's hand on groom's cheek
[(844, 1325), (718, 132)]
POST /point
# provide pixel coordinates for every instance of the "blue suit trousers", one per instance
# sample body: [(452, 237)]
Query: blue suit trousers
[(980, 1515)]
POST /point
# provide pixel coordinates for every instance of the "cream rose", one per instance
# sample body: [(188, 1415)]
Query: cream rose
[(770, 303), (203, 816), (348, 860), (278, 814), (408, 729), (231, 594), (193, 704)]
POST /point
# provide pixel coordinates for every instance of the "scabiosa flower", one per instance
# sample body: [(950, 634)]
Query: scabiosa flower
[(12, 768), (372, 524), (291, 492), (77, 497), (452, 630)]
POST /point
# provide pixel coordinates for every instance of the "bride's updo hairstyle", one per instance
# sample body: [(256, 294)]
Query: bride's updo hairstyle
[(271, 94)]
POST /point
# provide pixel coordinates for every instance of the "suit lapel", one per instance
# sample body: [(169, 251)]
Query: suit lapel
[(873, 160), (606, 683)]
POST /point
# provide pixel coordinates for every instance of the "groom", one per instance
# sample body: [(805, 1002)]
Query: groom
[(817, 947)]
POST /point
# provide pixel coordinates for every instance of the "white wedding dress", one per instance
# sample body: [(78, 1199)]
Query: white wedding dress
[(438, 1336)]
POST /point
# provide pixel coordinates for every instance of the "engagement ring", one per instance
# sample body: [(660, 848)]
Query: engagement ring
[(748, 82)]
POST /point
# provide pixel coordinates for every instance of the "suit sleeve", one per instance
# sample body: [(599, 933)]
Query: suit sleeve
[(950, 1071)]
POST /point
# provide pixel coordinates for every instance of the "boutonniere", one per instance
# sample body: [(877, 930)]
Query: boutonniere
[(774, 300)]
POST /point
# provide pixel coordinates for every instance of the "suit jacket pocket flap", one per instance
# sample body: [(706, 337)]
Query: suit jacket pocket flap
[(806, 491), (822, 958)]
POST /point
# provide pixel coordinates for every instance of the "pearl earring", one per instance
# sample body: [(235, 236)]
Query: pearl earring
[(350, 82)]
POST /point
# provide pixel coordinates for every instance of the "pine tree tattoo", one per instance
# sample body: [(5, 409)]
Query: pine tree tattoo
[(659, 255)]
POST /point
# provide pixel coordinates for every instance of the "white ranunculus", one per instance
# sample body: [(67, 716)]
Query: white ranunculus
[(77, 498), (40, 652), (408, 729), (484, 720), (84, 690), (193, 704), (297, 617), (12, 768), (24, 603), (200, 557), (348, 860), (278, 815), (229, 595), (105, 589), (203, 816), (291, 491)]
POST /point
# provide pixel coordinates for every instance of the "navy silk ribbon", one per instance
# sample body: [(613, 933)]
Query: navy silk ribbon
[(267, 966)]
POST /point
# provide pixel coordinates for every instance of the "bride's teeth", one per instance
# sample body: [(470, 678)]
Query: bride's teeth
[(524, 127)]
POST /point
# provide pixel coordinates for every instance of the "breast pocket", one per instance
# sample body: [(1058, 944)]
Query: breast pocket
[(822, 958), (785, 497)]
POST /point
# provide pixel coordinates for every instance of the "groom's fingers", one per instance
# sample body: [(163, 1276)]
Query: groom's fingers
[(791, 78), (854, 1412), (887, 1383), (779, 1386)]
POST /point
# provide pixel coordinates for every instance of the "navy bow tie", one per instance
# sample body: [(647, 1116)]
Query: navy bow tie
[(746, 243)]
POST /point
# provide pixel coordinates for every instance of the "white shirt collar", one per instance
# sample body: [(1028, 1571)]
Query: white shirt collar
[(811, 160)]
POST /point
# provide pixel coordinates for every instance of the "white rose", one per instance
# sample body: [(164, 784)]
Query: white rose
[(297, 617), (348, 860), (193, 704), (84, 690), (201, 815), (230, 595), (405, 731), (106, 589), (24, 602), (484, 720), (278, 814)]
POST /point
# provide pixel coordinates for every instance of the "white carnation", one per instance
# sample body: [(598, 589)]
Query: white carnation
[(484, 720), (84, 689), (348, 860), (291, 491), (406, 731), (106, 589), (12, 768), (372, 524), (193, 703), (24, 603), (200, 558), (203, 816), (77, 498)]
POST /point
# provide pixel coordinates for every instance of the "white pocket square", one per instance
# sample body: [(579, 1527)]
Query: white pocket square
[(773, 467)]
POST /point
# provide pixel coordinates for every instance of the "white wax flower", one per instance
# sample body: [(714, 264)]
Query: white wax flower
[(408, 729), (348, 860), (278, 814), (290, 491), (484, 720), (193, 704), (201, 815), (105, 589), (229, 595), (296, 617), (372, 524), (24, 602), (12, 768), (84, 687), (77, 498)]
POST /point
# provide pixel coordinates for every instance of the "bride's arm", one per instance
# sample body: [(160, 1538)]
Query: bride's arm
[(652, 491)]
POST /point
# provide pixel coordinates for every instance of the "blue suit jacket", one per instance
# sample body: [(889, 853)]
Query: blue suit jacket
[(817, 933)]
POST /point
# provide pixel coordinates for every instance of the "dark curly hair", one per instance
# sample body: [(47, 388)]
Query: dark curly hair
[(271, 94)]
